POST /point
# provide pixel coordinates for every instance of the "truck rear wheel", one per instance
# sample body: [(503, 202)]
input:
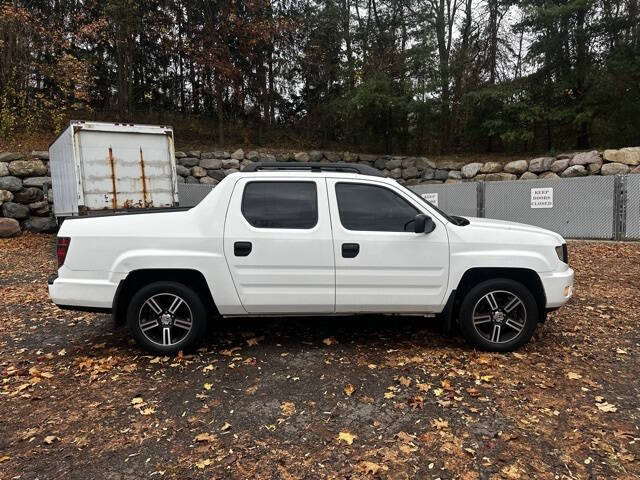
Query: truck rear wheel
[(498, 315), (166, 317)]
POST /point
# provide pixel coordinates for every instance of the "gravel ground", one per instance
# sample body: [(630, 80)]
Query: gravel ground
[(365, 397)]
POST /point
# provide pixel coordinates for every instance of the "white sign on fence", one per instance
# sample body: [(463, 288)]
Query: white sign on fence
[(431, 198), (542, 197)]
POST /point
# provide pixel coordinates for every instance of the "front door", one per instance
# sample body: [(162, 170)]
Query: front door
[(278, 245), (381, 264)]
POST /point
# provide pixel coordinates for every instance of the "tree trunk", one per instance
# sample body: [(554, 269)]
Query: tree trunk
[(443, 72), (346, 32), (219, 110)]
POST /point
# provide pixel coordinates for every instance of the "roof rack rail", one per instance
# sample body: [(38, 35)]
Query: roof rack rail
[(314, 167)]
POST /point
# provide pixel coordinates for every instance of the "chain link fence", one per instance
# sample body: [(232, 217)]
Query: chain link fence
[(190, 194), (630, 216), (573, 207), (454, 198), (598, 207)]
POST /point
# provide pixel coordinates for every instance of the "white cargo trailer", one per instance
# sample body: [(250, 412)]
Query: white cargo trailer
[(112, 167)]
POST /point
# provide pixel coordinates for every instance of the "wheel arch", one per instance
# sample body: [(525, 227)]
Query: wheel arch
[(529, 278), (136, 279)]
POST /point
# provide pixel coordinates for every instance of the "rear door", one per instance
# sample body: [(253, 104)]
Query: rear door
[(279, 247), (126, 170), (381, 264)]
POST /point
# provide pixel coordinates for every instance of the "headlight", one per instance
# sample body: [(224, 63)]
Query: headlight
[(563, 254)]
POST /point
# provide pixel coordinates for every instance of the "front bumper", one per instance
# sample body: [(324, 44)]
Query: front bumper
[(558, 287)]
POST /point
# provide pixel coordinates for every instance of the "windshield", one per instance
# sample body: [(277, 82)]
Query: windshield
[(452, 219)]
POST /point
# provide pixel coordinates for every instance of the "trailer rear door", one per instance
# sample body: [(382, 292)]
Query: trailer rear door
[(120, 170)]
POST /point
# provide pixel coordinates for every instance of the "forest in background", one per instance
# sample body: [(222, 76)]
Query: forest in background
[(402, 76)]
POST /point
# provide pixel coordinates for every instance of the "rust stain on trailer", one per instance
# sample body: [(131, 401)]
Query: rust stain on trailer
[(112, 163), (144, 180)]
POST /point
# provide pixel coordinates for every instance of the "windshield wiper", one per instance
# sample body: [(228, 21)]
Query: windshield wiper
[(460, 221)]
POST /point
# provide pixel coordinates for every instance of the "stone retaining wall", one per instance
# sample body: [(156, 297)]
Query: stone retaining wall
[(23, 181), (24, 177), (211, 167)]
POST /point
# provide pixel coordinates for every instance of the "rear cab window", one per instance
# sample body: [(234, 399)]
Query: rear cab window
[(280, 204)]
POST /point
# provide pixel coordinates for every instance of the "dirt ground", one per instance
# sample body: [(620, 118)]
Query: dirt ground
[(367, 397)]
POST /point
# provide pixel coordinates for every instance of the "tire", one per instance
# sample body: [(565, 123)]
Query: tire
[(498, 315), (178, 312)]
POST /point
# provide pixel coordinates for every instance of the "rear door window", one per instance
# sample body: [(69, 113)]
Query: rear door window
[(281, 204)]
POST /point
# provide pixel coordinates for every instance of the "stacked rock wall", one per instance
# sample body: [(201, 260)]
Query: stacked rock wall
[(211, 167), (24, 178)]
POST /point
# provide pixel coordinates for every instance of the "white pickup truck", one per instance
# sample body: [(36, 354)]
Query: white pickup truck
[(310, 239)]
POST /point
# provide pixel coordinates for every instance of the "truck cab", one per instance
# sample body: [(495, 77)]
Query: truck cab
[(311, 239)]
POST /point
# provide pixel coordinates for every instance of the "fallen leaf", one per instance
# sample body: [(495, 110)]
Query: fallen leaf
[(371, 468), (208, 386), (621, 351), (349, 389), (484, 359), (416, 403), (251, 390), (4, 459), (201, 464), (389, 394), (205, 437), (511, 472), (148, 411), (50, 439), (209, 368), (474, 392), (225, 427), (404, 381), (136, 400), (606, 407), (62, 352), (574, 376), (423, 387), (329, 341), (408, 448), (440, 424), (347, 437), (288, 408), (405, 437), (230, 352)]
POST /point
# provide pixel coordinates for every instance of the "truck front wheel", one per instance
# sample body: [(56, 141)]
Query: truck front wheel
[(498, 315), (166, 317)]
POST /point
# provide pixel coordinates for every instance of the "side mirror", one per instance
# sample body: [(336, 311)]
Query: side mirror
[(423, 224)]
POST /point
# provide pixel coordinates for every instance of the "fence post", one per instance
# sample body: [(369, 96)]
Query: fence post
[(620, 207), (480, 198)]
